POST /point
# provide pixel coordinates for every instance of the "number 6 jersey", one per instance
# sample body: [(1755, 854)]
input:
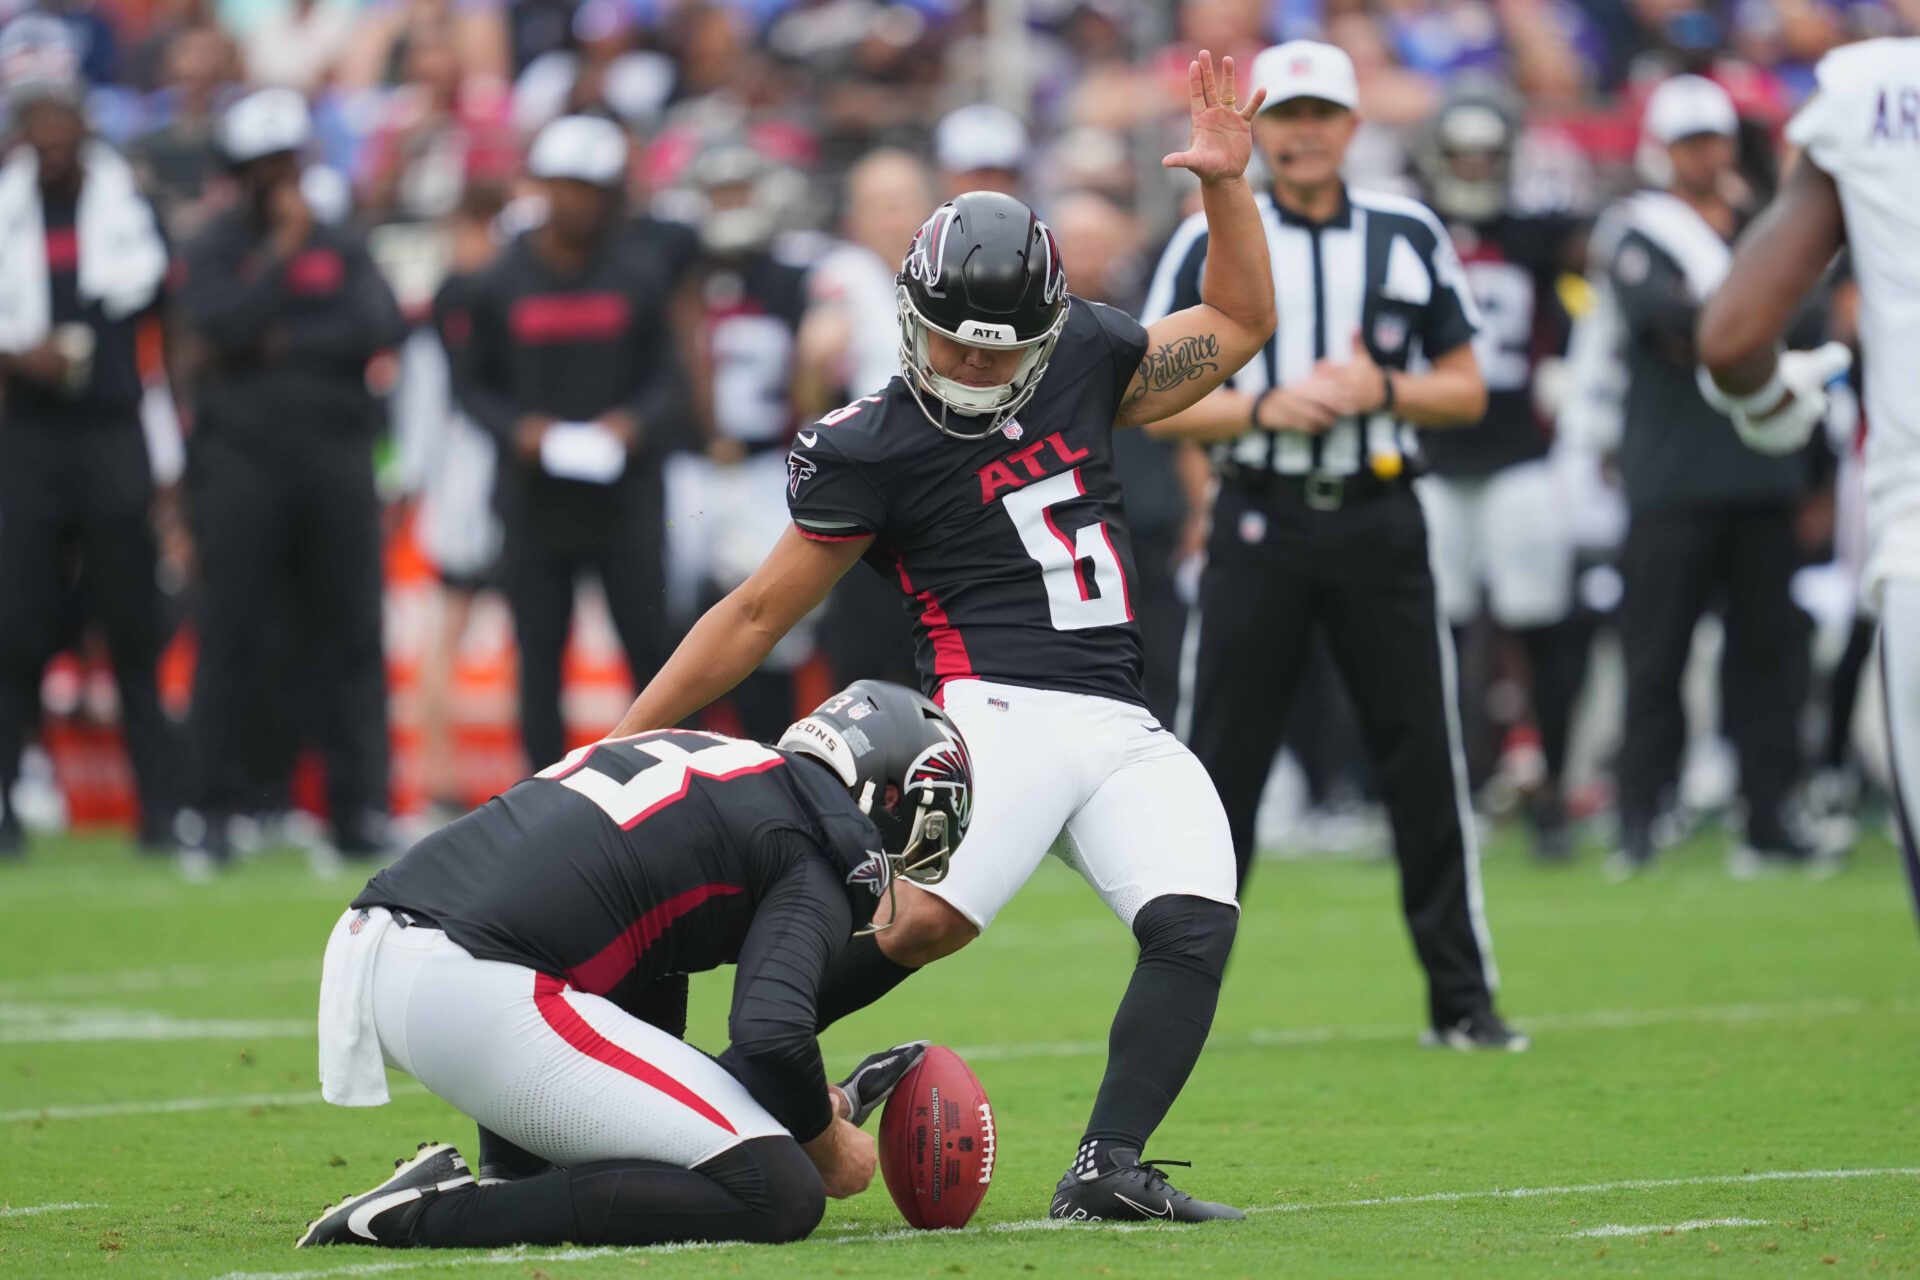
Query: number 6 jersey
[(1010, 553)]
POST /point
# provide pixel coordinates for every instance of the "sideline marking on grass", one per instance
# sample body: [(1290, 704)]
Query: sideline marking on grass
[(499, 1257), (171, 1106), (165, 978), (1602, 1019), (66, 1024), (33, 1024), (1503, 1193), (895, 1234), (1671, 1228), (28, 1210)]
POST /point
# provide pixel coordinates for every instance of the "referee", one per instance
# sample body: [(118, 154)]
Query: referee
[(1316, 525)]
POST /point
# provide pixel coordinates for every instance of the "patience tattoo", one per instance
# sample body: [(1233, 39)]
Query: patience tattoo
[(1181, 360)]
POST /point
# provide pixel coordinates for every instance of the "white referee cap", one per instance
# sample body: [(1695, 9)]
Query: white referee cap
[(1305, 69), (589, 149), (1686, 106), (264, 123), (980, 136)]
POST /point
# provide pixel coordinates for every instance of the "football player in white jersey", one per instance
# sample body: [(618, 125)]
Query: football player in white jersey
[(1857, 186)]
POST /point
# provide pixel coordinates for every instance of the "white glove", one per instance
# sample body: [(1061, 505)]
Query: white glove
[(1780, 417)]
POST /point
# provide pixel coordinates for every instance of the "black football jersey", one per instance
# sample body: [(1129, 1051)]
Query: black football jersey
[(667, 852), (1010, 553), (752, 309), (1512, 264)]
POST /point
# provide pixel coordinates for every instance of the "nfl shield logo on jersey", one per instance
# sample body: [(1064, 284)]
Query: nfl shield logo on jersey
[(1389, 331), (799, 471), (1013, 431)]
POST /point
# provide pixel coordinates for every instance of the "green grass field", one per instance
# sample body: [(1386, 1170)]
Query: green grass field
[(1742, 1055)]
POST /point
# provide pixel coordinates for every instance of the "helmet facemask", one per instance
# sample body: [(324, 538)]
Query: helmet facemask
[(992, 407)]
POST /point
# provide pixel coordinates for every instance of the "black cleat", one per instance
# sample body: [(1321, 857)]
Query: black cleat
[(385, 1215), (1486, 1030), (1134, 1190), (877, 1076)]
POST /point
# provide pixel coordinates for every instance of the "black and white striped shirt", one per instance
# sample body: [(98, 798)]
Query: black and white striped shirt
[(1381, 267)]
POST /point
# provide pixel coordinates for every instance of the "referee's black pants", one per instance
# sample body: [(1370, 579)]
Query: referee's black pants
[(289, 521), (78, 496), (1676, 564), (1277, 571), (538, 576)]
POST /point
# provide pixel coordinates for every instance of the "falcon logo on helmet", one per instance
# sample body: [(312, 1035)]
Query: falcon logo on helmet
[(985, 272)]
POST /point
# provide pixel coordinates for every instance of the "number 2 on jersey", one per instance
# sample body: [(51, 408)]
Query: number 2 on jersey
[(666, 768), (1085, 584)]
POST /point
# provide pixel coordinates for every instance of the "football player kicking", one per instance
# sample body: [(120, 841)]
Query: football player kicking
[(527, 964), (981, 481), (1856, 186)]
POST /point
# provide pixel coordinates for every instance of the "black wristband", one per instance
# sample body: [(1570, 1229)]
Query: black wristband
[(1253, 423), (1386, 400)]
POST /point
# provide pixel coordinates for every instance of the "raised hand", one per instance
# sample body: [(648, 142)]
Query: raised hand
[(1222, 130)]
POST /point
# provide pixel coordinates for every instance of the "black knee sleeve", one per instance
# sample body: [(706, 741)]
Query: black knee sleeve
[(1187, 932), (776, 1184)]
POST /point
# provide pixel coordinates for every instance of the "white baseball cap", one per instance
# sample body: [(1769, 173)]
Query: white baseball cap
[(981, 136), (264, 123), (589, 149), (1305, 69), (1688, 105)]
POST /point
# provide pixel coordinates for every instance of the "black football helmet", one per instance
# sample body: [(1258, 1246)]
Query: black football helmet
[(908, 769), (1464, 152), (983, 270)]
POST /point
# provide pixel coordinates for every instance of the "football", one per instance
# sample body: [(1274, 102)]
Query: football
[(936, 1142)]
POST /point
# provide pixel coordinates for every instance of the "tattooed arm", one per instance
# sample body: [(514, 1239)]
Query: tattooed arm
[(1191, 352)]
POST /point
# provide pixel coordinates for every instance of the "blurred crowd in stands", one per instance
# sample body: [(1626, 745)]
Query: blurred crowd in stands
[(783, 151)]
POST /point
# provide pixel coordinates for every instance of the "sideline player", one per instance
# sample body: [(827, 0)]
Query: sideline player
[(500, 961), (1856, 185), (982, 482), (1496, 513)]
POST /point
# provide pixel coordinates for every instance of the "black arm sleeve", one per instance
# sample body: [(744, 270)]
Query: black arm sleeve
[(479, 372), (1654, 300), (366, 319), (804, 919), (227, 308), (660, 393)]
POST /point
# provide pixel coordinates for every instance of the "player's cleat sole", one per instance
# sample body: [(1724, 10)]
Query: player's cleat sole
[(1483, 1032), (877, 1076), (381, 1216), (1134, 1190)]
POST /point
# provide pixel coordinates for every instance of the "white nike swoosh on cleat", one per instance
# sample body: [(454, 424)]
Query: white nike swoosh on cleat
[(808, 439), (1164, 1211), (361, 1218)]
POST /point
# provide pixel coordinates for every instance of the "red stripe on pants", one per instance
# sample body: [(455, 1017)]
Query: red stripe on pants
[(566, 1021)]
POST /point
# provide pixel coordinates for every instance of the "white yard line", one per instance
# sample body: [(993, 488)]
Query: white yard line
[(1597, 1020), (172, 1106), (159, 1028), (498, 1258), (28, 1210), (1668, 1229), (165, 978), (118, 1024), (509, 1257)]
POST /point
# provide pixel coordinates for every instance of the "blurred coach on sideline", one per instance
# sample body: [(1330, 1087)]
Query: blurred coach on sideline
[(289, 311)]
